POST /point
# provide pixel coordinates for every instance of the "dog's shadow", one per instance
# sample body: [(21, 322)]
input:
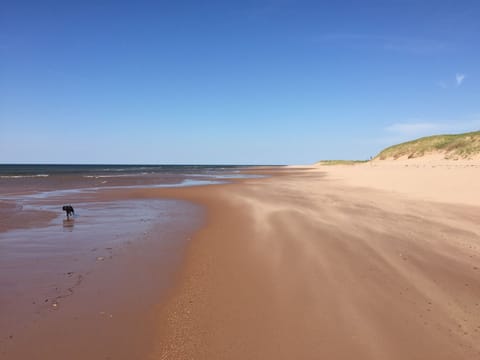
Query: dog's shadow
[(68, 224)]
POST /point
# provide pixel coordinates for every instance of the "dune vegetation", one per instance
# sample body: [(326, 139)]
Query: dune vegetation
[(457, 146), (340, 162)]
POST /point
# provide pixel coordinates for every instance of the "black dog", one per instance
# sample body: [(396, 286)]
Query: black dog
[(69, 210)]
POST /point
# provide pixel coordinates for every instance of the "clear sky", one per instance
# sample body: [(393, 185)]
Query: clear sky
[(241, 82)]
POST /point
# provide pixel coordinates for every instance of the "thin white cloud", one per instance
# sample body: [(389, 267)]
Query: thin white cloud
[(416, 46), (442, 84), (385, 42), (412, 128), (349, 37), (459, 79), (425, 128)]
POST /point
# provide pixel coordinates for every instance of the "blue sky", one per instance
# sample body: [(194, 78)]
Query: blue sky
[(242, 82)]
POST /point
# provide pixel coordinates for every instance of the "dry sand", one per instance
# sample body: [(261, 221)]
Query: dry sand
[(428, 178), (325, 264)]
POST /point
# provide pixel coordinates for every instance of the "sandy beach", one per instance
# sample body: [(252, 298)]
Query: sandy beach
[(372, 261), (332, 263)]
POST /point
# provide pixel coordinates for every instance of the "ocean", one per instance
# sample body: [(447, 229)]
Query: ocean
[(38, 179), (42, 170)]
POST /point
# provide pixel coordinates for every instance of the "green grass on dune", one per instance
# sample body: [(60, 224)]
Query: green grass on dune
[(452, 146), (340, 162)]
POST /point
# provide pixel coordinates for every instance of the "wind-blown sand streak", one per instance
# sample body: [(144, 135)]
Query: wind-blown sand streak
[(302, 267)]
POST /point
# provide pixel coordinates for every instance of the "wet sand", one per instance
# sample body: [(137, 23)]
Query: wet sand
[(85, 287), (306, 266), (13, 216)]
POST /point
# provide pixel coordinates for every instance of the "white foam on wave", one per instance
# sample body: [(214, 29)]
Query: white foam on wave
[(22, 176), (64, 192), (114, 176)]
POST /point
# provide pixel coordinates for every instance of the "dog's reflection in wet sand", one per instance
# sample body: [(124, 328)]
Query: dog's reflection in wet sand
[(68, 225)]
